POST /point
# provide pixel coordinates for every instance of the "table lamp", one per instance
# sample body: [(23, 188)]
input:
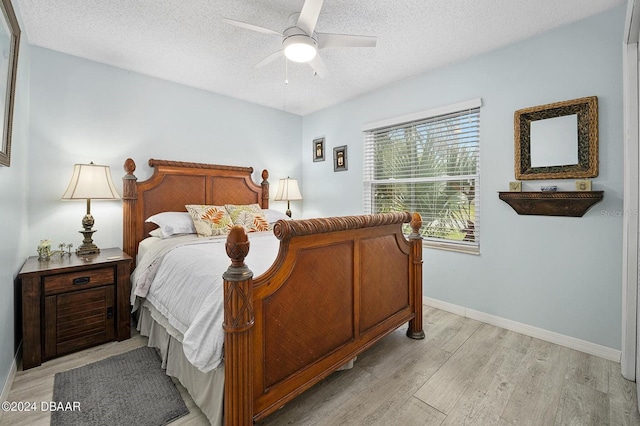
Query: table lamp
[(287, 191), (90, 181)]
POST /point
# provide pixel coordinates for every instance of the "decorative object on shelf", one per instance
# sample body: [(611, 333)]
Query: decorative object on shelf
[(583, 185), (9, 44), (64, 249), (340, 158), (318, 149), (45, 253), (548, 188), (557, 141), (288, 191), (90, 181), (44, 250), (552, 203), (515, 186)]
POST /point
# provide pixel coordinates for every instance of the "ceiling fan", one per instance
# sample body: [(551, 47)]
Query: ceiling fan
[(300, 42)]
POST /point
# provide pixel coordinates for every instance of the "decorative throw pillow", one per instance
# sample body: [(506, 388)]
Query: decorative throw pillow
[(210, 220), (249, 216), (172, 223)]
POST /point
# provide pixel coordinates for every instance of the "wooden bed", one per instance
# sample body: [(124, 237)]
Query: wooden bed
[(337, 287)]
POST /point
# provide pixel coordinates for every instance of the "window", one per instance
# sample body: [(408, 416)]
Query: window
[(428, 163)]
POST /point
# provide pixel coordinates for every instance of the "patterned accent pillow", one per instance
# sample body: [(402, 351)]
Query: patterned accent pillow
[(249, 216), (210, 220)]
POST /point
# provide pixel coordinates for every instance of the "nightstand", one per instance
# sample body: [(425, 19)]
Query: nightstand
[(73, 302)]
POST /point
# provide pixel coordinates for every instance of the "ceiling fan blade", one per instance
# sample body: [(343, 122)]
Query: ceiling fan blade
[(319, 68), (344, 40), (251, 27), (268, 59), (309, 15)]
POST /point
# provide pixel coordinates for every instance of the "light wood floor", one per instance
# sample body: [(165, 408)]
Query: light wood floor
[(464, 373)]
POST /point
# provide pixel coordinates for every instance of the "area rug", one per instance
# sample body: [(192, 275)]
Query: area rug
[(126, 389)]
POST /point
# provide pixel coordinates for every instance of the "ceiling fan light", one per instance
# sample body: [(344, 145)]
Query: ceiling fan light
[(300, 48)]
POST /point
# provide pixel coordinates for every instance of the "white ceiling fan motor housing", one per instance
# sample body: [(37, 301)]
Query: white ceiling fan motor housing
[(298, 46)]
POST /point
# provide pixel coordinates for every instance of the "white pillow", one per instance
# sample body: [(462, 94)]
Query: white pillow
[(156, 233), (172, 223), (274, 215)]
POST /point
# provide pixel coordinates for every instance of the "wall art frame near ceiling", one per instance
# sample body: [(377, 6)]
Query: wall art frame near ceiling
[(586, 110), (9, 45), (340, 159), (318, 149)]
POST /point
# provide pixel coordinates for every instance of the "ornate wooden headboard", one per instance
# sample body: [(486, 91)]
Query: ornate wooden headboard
[(174, 184)]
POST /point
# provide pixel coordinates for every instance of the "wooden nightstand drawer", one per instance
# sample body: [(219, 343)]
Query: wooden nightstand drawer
[(78, 280)]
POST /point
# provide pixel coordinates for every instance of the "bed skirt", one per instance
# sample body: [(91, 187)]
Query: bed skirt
[(206, 389)]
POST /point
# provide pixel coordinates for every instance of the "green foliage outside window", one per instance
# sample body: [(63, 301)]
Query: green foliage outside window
[(430, 167)]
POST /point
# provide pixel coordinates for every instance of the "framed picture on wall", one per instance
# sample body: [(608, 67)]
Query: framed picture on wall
[(318, 149), (340, 158), (9, 42)]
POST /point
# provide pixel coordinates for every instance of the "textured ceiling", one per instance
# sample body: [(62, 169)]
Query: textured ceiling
[(185, 41)]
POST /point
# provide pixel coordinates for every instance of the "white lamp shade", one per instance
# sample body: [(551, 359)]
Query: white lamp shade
[(288, 190), (299, 48), (91, 181)]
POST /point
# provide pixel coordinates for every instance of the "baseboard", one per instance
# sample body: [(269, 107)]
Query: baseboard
[(6, 388), (528, 330)]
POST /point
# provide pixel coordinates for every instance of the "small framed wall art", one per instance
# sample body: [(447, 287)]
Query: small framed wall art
[(318, 149), (340, 158)]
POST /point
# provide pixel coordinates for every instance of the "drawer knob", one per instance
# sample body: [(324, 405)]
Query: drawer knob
[(81, 280)]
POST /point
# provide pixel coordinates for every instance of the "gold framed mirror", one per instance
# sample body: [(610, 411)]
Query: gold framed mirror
[(557, 141)]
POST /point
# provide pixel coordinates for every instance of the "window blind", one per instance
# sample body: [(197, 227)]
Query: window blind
[(429, 165)]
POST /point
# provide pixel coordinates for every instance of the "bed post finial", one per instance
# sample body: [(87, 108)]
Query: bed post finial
[(238, 328), (237, 246), (129, 180), (265, 189), (415, 330), (416, 223), (129, 200), (129, 166)]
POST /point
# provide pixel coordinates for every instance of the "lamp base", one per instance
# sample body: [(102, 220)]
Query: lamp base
[(87, 246), (288, 212)]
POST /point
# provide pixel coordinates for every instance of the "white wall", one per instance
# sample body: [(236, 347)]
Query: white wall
[(558, 274), (83, 111), (13, 213)]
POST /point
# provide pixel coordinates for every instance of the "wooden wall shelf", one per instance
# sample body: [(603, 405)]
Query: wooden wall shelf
[(556, 203)]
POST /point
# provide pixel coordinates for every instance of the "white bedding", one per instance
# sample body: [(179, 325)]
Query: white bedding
[(182, 278), (145, 245)]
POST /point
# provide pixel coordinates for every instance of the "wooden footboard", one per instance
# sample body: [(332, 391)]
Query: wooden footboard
[(337, 286)]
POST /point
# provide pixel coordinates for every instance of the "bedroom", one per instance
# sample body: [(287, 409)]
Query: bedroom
[(72, 110)]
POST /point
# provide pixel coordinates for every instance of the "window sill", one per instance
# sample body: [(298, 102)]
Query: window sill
[(460, 248)]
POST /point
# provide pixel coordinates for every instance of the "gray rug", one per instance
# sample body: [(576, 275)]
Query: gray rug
[(126, 389)]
